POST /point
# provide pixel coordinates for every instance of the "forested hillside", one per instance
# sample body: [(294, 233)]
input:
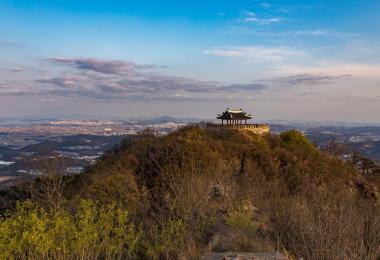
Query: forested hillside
[(197, 191)]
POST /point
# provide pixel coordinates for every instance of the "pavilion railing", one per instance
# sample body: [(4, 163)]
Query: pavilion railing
[(245, 126)]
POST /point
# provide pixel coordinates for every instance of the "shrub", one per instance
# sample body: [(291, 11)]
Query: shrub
[(296, 141), (167, 239), (93, 232), (240, 218), (328, 227)]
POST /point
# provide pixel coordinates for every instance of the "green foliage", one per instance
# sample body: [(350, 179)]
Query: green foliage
[(294, 139), (120, 187), (167, 238), (93, 232), (240, 218)]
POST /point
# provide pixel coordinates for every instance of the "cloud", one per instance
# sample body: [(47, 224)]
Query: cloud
[(113, 67), (283, 61), (244, 87), (20, 69), (334, 68), (309, 79), (11, 44), (276, 8), (266, 5), (66, 82), (257, 54), (3, 85), (109, 79), (290, 34), (91, 78), (251, 17), (46, 100), (16, 89), (148, 86)]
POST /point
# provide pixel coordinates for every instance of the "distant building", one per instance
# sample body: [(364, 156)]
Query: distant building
[(232, 118)]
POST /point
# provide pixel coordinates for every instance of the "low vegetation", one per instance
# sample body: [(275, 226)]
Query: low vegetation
[(193, 192)]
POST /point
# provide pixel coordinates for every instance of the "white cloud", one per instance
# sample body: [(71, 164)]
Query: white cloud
[(266, 5), (256, 54), (284, 61), (251, 17), (283, 35), (331, 68)]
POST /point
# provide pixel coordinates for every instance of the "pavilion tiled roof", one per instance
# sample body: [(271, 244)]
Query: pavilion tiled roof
[(231, 114)]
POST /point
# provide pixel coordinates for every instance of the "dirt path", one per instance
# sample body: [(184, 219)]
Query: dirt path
[(244, 256)]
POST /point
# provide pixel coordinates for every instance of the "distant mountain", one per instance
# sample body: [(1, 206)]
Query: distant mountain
[(167, 119)]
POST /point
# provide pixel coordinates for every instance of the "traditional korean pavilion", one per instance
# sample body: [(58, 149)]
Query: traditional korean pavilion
[(235, 117)]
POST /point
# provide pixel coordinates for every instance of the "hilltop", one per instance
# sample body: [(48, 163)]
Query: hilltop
[(197, 191)]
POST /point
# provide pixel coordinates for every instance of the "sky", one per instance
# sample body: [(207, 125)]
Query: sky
[(314, 60)]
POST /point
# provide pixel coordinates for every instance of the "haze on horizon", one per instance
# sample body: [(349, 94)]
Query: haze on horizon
[(294, 60)]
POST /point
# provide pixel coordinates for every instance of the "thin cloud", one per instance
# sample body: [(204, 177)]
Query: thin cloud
[(70, 82), (276, 8), (309, 79), (20, 69), (16, 89), (9, 44), (333, 68), (283, 61), (266, 5), (113, 67), (244, 87), (244, 29), (256, 53), (251, 17)]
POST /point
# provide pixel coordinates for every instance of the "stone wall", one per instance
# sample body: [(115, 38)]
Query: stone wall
[(259, 129)]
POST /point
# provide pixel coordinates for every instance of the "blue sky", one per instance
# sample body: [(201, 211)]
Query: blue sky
[(305, 60)]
